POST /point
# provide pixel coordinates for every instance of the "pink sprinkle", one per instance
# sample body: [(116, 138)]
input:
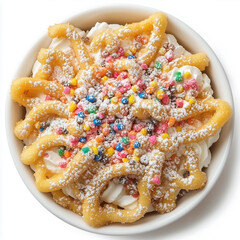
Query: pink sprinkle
[(120, 52), (123, 75), (115, 128), (62, 164), (123, 154), (156, 180), (181, 123), (140, 83), (193, 84), (128, 86), (116, 160), (59, 130), (48, 98), (46, 155), (74, 141), (108, 58), (122, 90), (165, 99), (131, 136), (138, 127), (144, 66), (101, 115), (110, 119), (172, 83), (164, 128), (115, 74), (79, 106), (153, 139), (66, 90), (77, 111), (169, 55), (123, 133), (179, 102), (92, 125)]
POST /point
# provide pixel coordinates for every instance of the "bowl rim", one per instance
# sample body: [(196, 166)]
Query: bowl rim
[(128, 230)]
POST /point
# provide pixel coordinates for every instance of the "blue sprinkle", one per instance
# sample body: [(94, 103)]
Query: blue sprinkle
[(91, 98), (41, 129), (131, 57), (137, 144), (124, 100), (98, 158), (82, 139), (97, 122), (119, 147), (142, 95), (111, 125), (120, 126), (81, 114)]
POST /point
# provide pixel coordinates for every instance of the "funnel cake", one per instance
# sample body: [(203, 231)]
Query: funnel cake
[(117, 120)]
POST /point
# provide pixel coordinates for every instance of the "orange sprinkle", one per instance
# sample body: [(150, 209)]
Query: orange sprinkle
[(72, 115), (190, 121), (130, 150), (149, 90), (171, 121), (67, 154), (109, 66), (101, 72), (144, 40), (63, 100), (118, 95), (99, 139), (80, 145), (119, 77), (105, 131)]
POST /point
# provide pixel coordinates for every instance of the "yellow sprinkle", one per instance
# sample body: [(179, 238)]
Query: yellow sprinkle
[(135, 88), (104, 79), (144, 131), (179, 88), (86, 127), (72, 106), (105, 125), (153, 84), (178, 129), (133, 49), (114, 100), (73, 82), (187, 75), (136, 152), (162, 51), (95, 150), (125, 160), (37, 125), (165, 68), (72, 92), (127, 53), (105, 97), (191, 101), (136, 158), (110, 151), (131, 99), (160, 94), (165, 135)]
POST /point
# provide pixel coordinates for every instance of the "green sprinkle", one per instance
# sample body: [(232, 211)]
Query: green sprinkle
[(125, 140), (92, 109), (60, 151), (85, 150), (158, 65), (178, 77)]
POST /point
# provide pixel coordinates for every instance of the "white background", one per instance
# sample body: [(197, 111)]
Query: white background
[(22, 23)]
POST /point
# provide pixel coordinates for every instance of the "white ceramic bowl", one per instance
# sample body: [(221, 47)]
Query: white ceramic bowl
[(193, 43)]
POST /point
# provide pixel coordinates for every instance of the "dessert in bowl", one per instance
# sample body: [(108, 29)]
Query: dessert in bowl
[(119, 121)]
